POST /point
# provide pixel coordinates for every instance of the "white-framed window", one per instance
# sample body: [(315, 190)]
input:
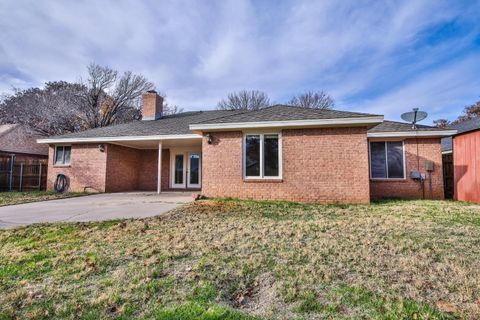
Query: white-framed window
[(387, 160), (262, 156), (62, 155)]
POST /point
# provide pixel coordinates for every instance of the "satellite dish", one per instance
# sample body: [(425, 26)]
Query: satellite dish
[(414, 116)]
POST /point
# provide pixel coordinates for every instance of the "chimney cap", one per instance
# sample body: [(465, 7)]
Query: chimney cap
[(151, 91)]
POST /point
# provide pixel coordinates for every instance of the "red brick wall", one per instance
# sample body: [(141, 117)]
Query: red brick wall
[(87, 168), (152, 106), (122, 169), (165, 169), (428, 149), (466, 161), (135, 170), (116, 169), (147, 170), (327, 165)]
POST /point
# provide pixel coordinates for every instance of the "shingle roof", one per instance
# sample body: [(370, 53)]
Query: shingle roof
[(15, 138), (462, 127), (179, 123), (394, 126), (468, 125), (286, 113), (167, 125)]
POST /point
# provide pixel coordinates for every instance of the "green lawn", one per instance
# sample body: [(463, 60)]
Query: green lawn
[(230, 259), (9, 198)]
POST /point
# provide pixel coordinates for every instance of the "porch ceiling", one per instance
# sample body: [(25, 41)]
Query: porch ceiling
[(153, 144)]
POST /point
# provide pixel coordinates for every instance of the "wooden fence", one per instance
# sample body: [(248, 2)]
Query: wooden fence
[(22, 176)]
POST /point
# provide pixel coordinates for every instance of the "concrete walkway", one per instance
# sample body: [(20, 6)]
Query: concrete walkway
[(96, 207)]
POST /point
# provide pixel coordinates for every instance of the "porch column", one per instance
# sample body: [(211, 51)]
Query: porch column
[(159, 169)]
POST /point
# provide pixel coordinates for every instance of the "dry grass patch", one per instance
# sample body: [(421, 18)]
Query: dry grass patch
[(10, 198), (230, 259)]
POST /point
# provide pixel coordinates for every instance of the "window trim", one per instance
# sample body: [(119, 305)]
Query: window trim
[(386, 160), (244, 156), (62, 164)]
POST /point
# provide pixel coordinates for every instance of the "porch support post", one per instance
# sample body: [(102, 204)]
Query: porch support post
[(159, 172)]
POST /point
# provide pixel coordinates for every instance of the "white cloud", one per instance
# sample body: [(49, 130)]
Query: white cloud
[(197, 51), (441, 92)]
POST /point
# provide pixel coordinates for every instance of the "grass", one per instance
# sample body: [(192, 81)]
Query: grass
[(10, 198), (228, 259)]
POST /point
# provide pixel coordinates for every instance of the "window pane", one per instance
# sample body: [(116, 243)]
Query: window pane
[(194, 168), (378, 160), (395, 159), (270, 155), (252, 155), (66, 152), (59, 155), (179, 169)]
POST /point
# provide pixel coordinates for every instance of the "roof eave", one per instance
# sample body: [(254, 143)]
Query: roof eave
[(466, 131), (408, 134), (357, 121), (119, 138)]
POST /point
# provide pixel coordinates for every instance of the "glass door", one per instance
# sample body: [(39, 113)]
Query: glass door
[(194, 170), (179, 171)]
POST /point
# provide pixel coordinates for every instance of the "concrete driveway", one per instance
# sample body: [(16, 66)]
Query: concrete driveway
[(96, 207)]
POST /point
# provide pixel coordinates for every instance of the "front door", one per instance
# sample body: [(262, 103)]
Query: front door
[(194, 169), (178, 172), (186, 170)]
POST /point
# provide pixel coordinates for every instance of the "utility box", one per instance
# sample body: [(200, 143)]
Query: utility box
[(417, 175), (429, 165)]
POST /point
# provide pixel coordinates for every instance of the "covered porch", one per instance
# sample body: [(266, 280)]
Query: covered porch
[(154, 165)]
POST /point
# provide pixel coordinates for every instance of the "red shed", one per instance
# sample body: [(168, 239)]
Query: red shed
[(466, 161)]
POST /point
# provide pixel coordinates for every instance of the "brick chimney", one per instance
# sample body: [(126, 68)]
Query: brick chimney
[(152, 105)]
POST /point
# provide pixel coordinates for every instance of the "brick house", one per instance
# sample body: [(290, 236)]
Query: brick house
[(280, 152), (19, 142)]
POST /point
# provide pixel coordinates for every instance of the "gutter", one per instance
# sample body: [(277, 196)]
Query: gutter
[(121, 138), (289, 123), (400, 134)]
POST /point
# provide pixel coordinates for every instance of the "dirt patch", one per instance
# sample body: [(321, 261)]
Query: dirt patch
[(264, 297)]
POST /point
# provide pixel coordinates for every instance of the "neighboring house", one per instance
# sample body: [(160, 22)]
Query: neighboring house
[(280, 152), (463, 150), (19, 142), (21, 159)]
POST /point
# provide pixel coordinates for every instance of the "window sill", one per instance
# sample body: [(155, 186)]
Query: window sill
[(389, 179), (269, 180), (61, 165)]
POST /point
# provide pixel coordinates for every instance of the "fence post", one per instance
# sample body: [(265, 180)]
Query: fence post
[(21, 177), (10, 182), (40, 177)]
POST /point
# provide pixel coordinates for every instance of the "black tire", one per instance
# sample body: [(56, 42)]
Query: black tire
[(61, 183)]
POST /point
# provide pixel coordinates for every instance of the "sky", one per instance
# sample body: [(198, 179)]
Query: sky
[(382, 57)]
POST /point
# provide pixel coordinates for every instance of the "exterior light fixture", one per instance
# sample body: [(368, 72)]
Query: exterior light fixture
[(209, 138), (101, 147)]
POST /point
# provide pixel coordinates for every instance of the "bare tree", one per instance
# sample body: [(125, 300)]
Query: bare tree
[(103, 99), (108, 98), (313, 100), (169, 109), (441, 123), (244, 100), (48, 111), (469, 112)]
